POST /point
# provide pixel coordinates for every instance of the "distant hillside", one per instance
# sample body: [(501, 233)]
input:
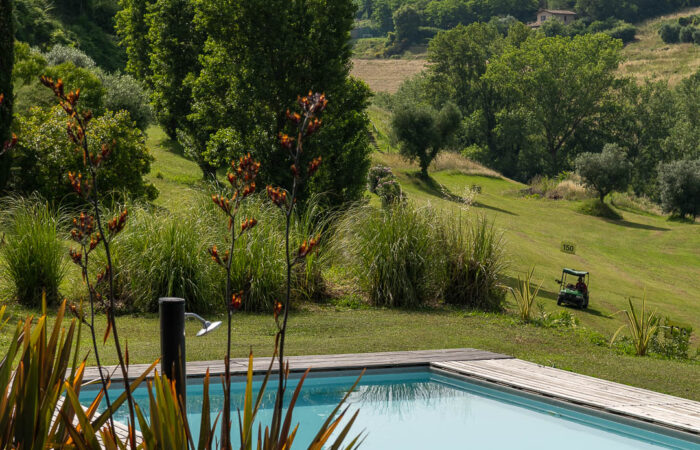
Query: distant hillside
[(650, 57)]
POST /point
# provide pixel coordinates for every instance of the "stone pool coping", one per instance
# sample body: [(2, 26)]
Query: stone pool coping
[(617, 399)]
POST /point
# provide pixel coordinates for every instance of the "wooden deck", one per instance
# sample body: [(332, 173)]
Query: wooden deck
[(649, 406), (629, 402), (346, 361)]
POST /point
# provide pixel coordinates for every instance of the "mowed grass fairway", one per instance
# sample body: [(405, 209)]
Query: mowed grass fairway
[(643, 251)]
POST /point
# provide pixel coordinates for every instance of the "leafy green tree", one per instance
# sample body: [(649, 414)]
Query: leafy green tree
[(679, 186), (406, 23), (29, 64), (7, 59), (422, 132), (605, 172), (44, 155), (133, 28), (683, 141), (60, 54), (563, 84), (260, 55), (125, 93), (176, 45), (382, 16)]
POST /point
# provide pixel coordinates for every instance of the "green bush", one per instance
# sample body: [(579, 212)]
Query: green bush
[(45, 155), (60, 54), (473, 260), (124, 92), (625, 32), (33, 256), (696, 36), (375, 175), (670, 33), (686, 34), (605, 172), (679, 187), (390, 253)]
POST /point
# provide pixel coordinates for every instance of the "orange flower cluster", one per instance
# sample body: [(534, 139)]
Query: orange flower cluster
[(278, 196), (83, 226), (94, 240), (79, 185), (277, 310), (313, 103), (76, 256), (220, 260), (295, 118), (308, 246), (248, 224), (286, 141), (313, 126), (117, 223), (222, 202), (237, 300), (103, 276), (104, 153), (245, 171), (8, 145), (313, 165)]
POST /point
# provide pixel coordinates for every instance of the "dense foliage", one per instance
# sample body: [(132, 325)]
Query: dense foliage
[(44, 156)]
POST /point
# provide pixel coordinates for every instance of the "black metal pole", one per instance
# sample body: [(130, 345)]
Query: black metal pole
[(172, 343)]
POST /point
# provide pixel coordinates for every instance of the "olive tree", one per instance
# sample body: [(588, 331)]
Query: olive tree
[(606, 171), (679, 187), (422, 131)]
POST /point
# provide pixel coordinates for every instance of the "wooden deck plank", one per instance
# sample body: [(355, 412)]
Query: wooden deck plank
[(618, 398), (321, 362)]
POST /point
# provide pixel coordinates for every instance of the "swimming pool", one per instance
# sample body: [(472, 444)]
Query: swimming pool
[(428, 409)]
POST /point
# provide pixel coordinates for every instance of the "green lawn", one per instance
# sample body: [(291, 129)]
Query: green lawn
[(643, 251)]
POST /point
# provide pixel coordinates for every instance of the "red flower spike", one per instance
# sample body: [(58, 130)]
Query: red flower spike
[(248, 224), (215, 255), (76, 256)]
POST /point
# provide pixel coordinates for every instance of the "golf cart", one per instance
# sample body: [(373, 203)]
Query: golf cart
[(572, 293)]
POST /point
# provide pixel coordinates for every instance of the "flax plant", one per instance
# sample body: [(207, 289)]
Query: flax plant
[(241, 178), (641, 327), (90, 231), (525, 296)]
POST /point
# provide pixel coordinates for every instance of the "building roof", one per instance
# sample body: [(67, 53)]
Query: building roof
[(558, 11)]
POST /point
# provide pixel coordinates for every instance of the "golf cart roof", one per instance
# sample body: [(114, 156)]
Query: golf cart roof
[(576, 273)]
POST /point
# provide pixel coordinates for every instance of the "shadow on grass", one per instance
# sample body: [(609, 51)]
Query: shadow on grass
[(432, 187), (172, 146), (638, 226)]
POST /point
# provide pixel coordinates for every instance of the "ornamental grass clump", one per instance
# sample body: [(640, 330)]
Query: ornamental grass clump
[(390, 253), (32, 257), (471, 253), (161, 254)]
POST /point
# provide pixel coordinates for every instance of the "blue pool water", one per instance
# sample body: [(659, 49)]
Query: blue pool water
[(422, 409)]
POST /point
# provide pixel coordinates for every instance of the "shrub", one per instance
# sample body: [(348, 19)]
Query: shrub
[(44, 155), (390, 253), (605, 172), (389, 191), (473, 260), (670, 33), (60, 54), (33, 255), (625, 32), (92, 92), (696, 36), (375, 175), (671, 341), (124, 92), (686, 34), (679, 187)]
